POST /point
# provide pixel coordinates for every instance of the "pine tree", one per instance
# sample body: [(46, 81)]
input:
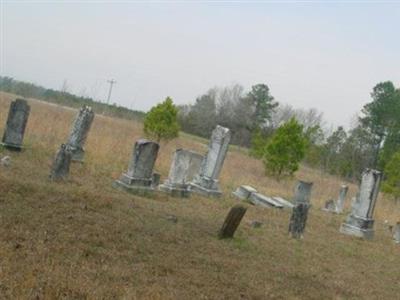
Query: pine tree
[(285, 150), (161, 121)]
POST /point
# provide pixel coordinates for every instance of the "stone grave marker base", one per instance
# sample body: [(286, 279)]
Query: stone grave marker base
[(181, 192), (359, 227)]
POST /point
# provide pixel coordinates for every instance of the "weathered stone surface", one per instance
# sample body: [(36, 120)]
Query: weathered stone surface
[(359, 222), (156, 179), (298, 220), (244, 191), (61, 163), (79, 132), (299, 215), (396, 233), (302, 192), (232, 221), (16, 123), (139, 177), (342, 197), (283, 202), (5, 161), (337, 206), (185, 165), (206, 182), (330, 206), (261, 200)]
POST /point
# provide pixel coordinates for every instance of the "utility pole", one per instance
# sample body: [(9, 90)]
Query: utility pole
[(111, 82)]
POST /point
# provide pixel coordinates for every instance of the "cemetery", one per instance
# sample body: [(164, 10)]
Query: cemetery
[(90, 208)]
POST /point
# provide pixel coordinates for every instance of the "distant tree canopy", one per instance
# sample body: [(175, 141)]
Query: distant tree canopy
[(161, 121), (243, 113), (62, 97)]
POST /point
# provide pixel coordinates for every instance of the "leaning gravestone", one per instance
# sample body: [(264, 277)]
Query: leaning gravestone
[(359, 222), (16, 124), (232, 221), (396, 233), (206, 182), (79, 132), (185, 165), (62, 161), (300, 210), (139, 177)]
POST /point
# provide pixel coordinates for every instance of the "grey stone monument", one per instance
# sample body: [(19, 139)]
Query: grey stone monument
[(79, 132), (342, 197), (337, 206), (299, 215), (206, 182), (232, 221), (61, 163), (185, 165), (244, 191), (139, 177), (396, 233), (16, 123), (359, 222)]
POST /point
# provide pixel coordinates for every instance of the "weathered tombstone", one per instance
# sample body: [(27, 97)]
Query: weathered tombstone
[(337, 206), (244, 191), (61, 163), (16, 123), (232, 221), (79, 132), (396, 233), (185, 165), (139, 177), (299, 215), (330, 206), (262, 200), (342, 196), (206, 182), (359, 222)]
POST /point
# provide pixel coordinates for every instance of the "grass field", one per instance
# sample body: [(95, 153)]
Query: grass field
[(82, 239)]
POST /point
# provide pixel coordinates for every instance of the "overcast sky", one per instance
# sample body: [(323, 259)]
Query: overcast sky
[(327, 56)]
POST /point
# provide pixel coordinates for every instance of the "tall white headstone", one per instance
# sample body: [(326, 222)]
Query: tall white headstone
[(206, 183), (360, 222), (185, 165)]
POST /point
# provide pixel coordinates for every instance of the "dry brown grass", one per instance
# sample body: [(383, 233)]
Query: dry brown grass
[(84, 240)]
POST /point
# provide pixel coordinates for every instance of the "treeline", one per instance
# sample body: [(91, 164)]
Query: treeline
[(255, 116), (30, 90)]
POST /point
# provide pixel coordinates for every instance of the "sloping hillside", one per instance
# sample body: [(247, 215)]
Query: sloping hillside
[(82, 239)]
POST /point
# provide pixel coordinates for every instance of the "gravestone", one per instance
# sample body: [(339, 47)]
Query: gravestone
[(299, 215), (342, 197), (206, 182), (16, 123), (185, 165), (337, 206), (265, 201), (139, 177), (396, 233), (232, 221), (79, 132), (61, 163), (244, 191), (330, 206), (359, 222)]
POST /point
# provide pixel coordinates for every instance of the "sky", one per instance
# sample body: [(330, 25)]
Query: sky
[(323, 55)]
